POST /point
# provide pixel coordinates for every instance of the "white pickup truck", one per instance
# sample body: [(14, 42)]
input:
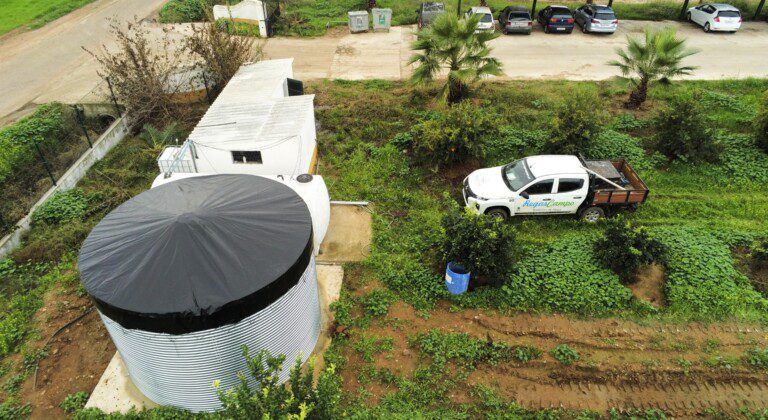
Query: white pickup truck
[(554, 184)]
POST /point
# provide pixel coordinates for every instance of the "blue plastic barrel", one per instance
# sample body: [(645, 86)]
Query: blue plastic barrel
[(456, 278)]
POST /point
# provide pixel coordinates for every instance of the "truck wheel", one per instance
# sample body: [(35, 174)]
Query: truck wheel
[(592, 214), (498, 213)]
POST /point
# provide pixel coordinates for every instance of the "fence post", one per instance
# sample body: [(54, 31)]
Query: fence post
[(114, 99), (45, 162), (80, 114)]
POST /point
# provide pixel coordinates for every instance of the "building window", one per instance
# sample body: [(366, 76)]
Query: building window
[(246, 156)]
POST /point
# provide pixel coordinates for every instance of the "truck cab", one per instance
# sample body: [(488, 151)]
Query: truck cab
[(553, 184)]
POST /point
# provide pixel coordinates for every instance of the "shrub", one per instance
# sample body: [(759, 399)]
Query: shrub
[(683, 131), (512, 143), (178, 11), (576, 123), (610, 144), (453, 135), (74, 402), (377, 302), (761, 124), (62, 207), (757, 357), (625, 248), (264, 397), (482, 244), (565, 354)]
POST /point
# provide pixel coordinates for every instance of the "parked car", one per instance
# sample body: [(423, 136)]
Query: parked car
[(486, 19), (515, 19), (427, 12), (554, 184), (596, 18), (556, 19), (715, 17)]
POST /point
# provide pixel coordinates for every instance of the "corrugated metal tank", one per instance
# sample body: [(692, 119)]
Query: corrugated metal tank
[(185, 274), (180, 370)]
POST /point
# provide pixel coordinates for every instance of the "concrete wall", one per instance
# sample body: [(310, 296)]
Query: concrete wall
[(114, 134)]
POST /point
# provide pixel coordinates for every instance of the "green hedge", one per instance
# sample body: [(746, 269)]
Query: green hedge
[(47, 126), (178, 11)]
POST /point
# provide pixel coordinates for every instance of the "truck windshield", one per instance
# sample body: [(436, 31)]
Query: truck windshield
[(516, 175)]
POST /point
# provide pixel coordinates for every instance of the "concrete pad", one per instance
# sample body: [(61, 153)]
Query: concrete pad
[(116, 393), (349, 235), (371, 55), (312, 58)]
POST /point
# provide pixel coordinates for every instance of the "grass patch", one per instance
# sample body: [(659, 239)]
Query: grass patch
[(34, 13)]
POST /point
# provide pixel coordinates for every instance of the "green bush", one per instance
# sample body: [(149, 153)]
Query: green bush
[(452, 136), (565, 354), (610, 144), (74, 402), (48, 125), (179, 11), (757, 357), (625, 248), (683, 131), (564, 276), (62, 207), (525, 354), (484, 245), (513, 143), (461, 348), (761, 124), (576, 123)]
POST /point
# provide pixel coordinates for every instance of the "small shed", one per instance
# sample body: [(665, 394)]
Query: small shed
[(185, 274)]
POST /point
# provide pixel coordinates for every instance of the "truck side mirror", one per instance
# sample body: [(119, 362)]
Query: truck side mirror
[(524, 195)]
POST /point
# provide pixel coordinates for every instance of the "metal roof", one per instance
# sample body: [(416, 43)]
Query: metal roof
[(240, 123)]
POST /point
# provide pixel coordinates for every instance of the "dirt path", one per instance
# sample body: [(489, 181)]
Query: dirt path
[(683, 369)]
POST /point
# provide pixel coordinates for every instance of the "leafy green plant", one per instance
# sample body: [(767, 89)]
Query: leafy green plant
[(64, 206), (757, 357), (267, 398), (513, 143), (157, 139), (377, 302), (461, 348), (74, 402), (683, 131), (624, 248), (482, 244), (565, 354), (525, 354), (452, 43), (576, 123), (452, 136), (178, 11), (658, 56), (367, 347), (610, 144)]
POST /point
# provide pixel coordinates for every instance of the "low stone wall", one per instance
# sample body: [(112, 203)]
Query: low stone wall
[(114, 135)]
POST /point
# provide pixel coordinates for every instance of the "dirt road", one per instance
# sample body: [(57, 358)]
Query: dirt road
[(48, 64), (34, 63)]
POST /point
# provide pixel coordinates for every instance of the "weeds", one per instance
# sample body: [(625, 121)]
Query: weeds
[(565, 354)]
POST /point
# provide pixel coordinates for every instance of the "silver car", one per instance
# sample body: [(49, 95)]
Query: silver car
[(596, 18)]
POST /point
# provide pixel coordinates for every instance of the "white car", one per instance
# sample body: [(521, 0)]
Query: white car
[(554, 184), (715, 17), (486, 20)]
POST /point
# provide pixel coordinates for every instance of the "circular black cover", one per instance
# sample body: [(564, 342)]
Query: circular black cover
[(197, 253)]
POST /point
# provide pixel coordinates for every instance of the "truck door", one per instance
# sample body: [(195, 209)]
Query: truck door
[(570, 193), (539, 196)]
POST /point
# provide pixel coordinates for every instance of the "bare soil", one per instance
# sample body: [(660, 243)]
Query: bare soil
[(649, 285), (76, 358), (623, 365)]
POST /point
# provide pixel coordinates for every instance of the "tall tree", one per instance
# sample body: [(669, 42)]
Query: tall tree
[(451, 44), (658, 56)]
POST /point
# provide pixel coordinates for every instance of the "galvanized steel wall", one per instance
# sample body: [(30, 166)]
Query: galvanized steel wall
[(179, 370)]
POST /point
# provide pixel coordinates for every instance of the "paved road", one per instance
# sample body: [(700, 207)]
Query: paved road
[(34, 63), (49, 64)]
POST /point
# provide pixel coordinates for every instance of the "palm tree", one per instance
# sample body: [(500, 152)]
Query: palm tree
[(659, 57), (451, 43)]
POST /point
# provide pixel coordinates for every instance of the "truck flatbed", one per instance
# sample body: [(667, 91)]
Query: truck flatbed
[(635, 190)]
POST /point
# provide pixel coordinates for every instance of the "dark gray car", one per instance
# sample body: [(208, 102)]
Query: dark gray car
[(427, 12), (596, 18), (515, 19)]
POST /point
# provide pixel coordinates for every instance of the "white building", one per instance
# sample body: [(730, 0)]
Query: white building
[(254, 127), (254, 12)]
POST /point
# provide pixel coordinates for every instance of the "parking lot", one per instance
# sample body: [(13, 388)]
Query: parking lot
[(575, 56)]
